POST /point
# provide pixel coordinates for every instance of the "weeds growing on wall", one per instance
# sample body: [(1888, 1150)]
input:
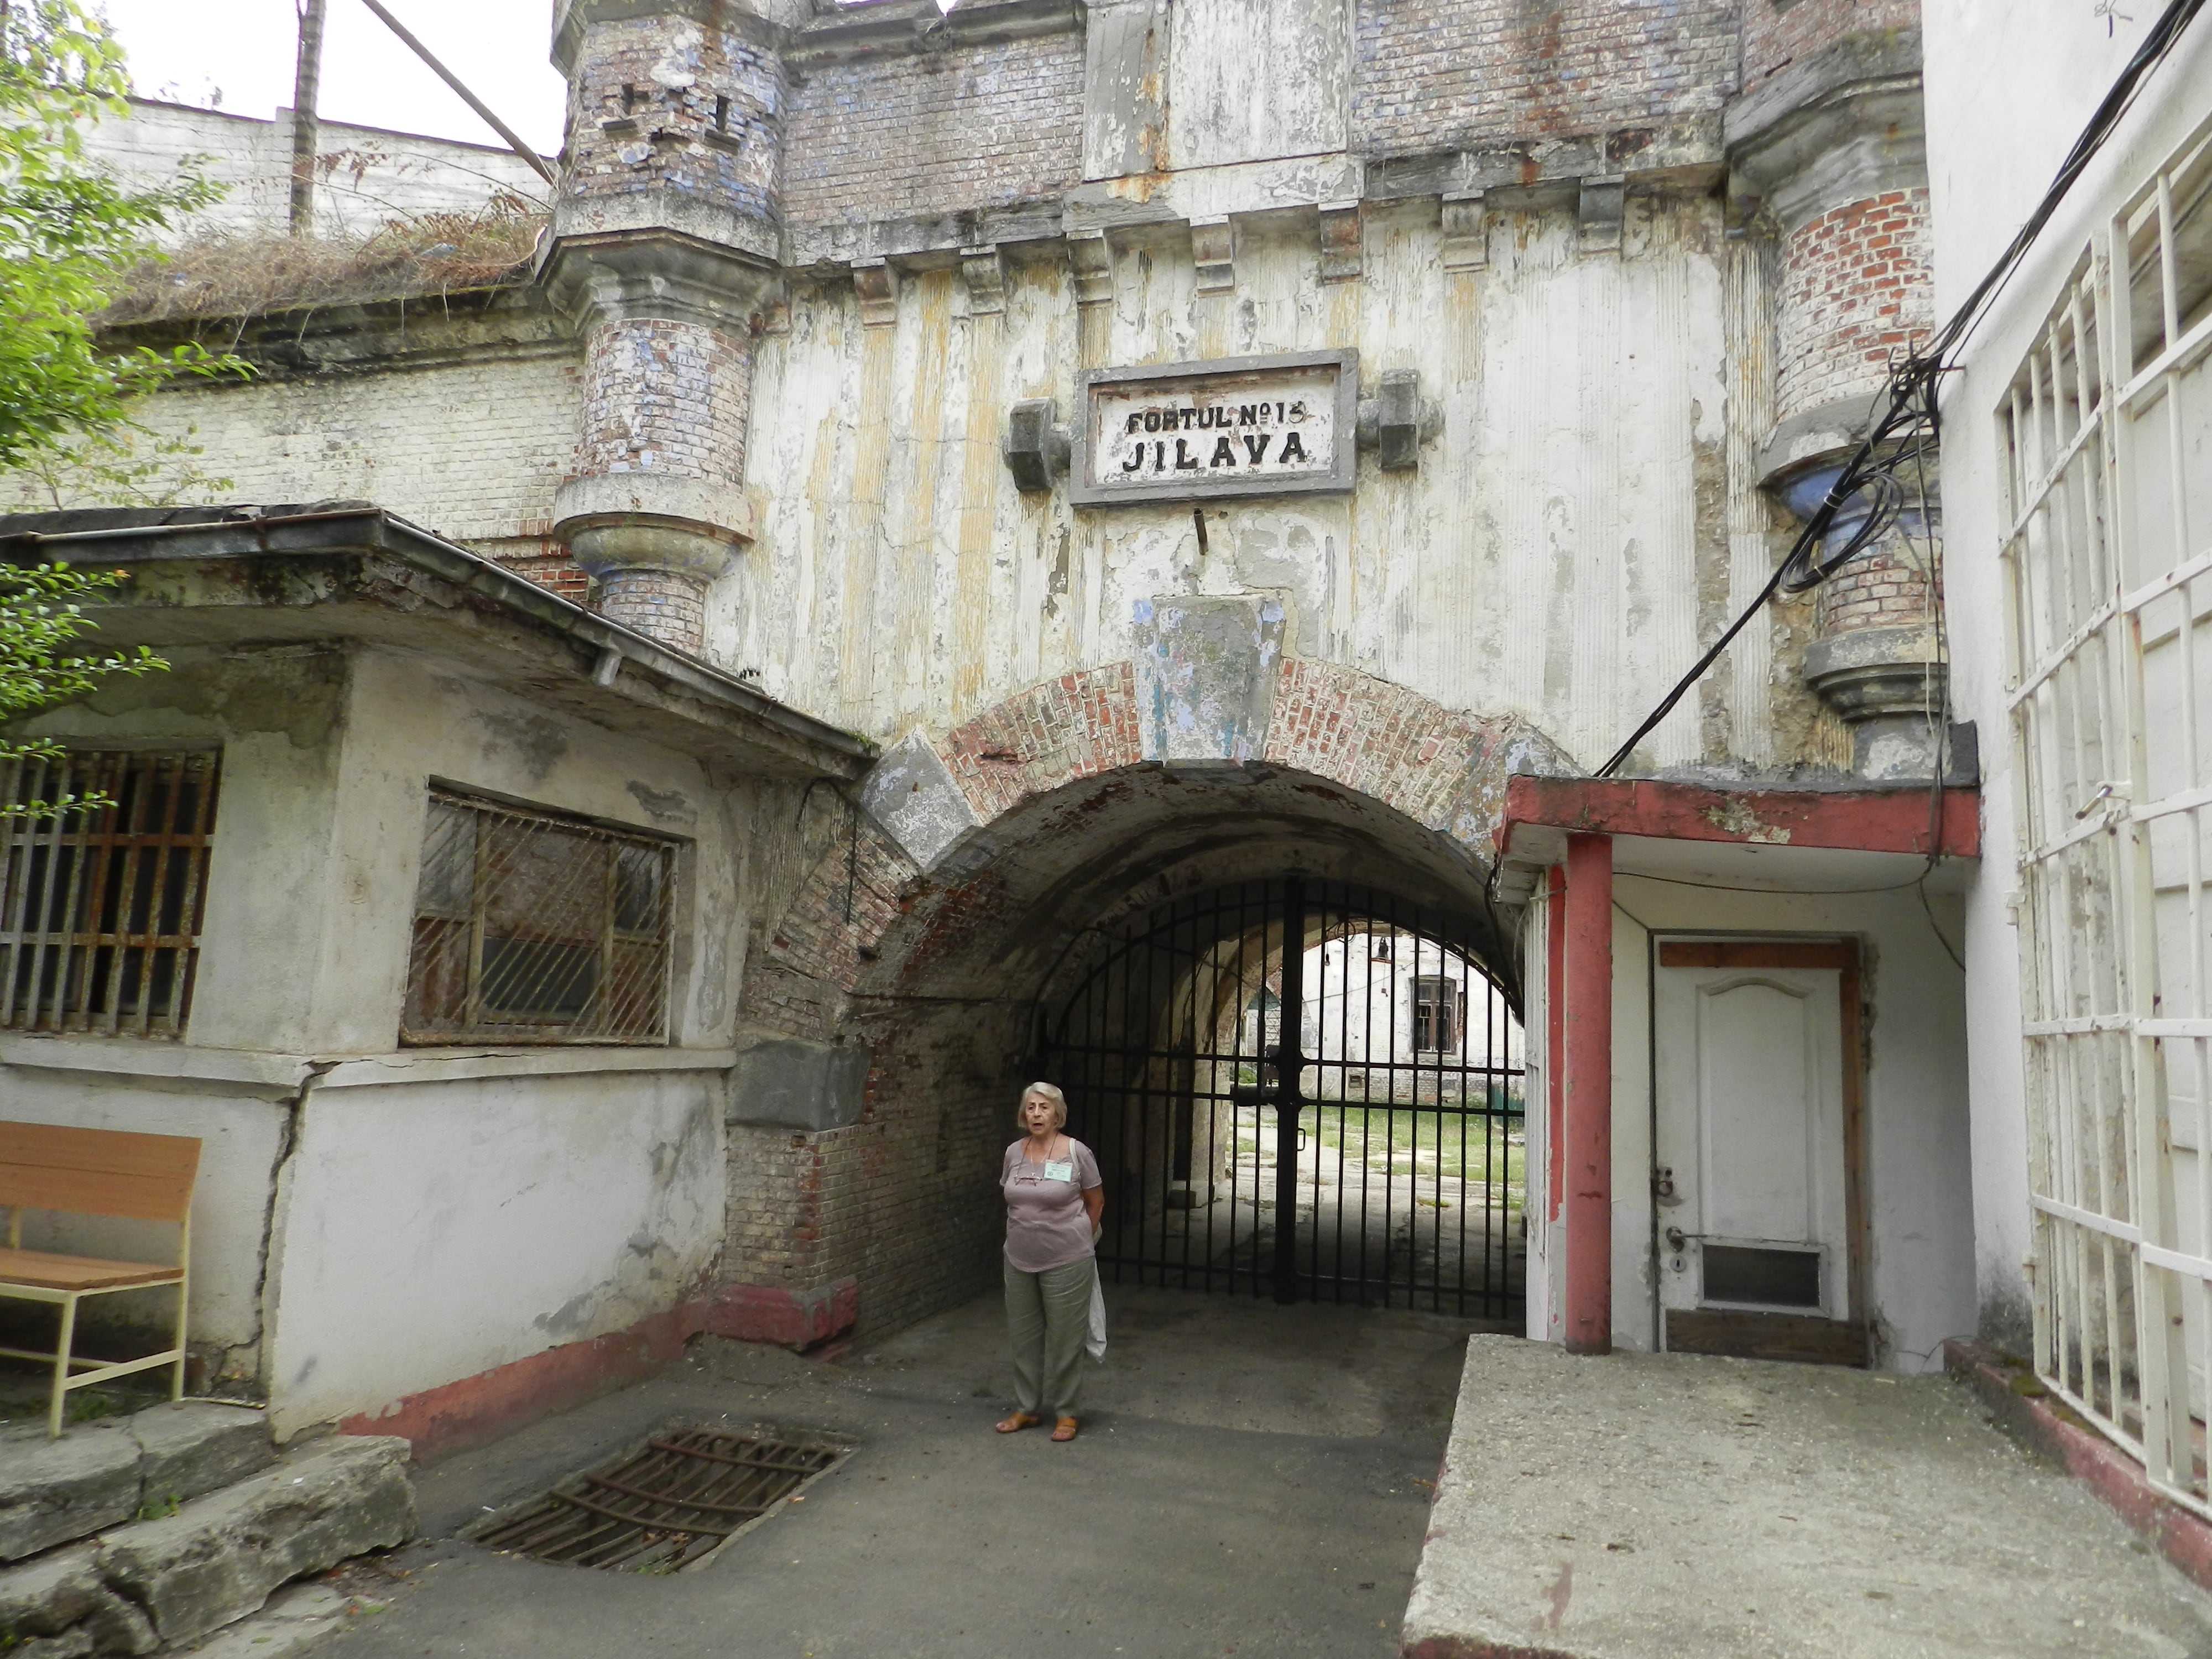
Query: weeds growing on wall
[(251, 273)]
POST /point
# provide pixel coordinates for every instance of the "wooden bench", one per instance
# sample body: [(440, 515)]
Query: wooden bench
[(93, 1172)]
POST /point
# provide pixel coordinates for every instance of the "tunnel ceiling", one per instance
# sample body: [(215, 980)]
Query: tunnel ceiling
[(1000, 916)]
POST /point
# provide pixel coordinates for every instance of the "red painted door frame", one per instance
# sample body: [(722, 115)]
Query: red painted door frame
[(1585, 1152)]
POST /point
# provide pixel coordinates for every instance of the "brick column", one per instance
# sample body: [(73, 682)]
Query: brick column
[(1828, 157), (665, 242)]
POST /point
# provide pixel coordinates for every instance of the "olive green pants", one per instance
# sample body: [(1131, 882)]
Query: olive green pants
[(1047, 1315)]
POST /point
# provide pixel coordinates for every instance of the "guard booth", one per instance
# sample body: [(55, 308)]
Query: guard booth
[(1747, 1131)]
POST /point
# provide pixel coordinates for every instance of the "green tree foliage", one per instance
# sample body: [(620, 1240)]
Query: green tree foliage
[(69, 232), (41, 613)]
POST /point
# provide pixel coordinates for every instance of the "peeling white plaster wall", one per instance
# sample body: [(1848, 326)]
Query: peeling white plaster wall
[(1545, 561)]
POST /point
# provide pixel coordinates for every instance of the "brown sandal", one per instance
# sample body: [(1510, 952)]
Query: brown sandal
[(1018, 1421), (1064, 1428)]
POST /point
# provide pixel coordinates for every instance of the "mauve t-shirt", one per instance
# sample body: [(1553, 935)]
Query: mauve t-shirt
[(1047, 1225)]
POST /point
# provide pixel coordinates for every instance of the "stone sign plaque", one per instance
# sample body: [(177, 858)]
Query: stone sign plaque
[(1238, 426)]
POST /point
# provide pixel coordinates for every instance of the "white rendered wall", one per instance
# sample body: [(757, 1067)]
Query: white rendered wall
[(1922, 1234), (432, 1231), (367, 176), (507, 1201), (1547, 560), (2010, 85), (239, 1121)]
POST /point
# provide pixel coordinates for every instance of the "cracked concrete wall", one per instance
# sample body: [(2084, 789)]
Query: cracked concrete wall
[(431, 1232), (372, 1221)]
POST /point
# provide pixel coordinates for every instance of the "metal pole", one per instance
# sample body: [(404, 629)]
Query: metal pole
[(306, 131), (514, 138), (1288, 1064)]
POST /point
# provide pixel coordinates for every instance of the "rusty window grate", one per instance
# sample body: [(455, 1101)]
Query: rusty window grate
[(667, 1506), (531, 928), (100, 904)]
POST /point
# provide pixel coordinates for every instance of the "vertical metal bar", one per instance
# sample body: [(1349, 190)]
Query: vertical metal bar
[(1286, 1090), (116, 934), (17, 787)]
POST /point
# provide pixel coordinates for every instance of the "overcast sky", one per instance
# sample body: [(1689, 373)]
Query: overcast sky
[(189, 50)]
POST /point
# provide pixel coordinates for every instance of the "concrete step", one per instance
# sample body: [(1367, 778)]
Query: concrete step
[(102, 1474), (177, 1576)]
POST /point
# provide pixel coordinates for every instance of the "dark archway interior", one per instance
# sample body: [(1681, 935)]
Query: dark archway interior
[(955, 1004), (1303, 1088)]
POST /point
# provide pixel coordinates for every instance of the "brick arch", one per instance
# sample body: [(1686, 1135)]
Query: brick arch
[(920, 971), (1443, 769)]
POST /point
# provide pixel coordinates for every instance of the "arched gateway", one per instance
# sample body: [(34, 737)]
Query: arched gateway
[(1096, 880), (1311, 1088)]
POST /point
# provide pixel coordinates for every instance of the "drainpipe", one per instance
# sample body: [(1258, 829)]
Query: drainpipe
[(1586, 1150)]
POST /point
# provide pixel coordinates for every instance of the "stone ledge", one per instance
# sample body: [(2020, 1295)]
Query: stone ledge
[(218, 1559), (792, 1319), (2031, 1413), (215, 1560), (100, 1475)]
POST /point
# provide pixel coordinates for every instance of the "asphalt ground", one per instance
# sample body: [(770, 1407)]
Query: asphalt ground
[(1249, 1480)]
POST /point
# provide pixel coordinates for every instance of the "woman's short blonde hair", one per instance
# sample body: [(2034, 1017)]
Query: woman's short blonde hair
[(1043, 1091)]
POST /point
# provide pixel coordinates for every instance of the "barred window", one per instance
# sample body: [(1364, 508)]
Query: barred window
[(100, 903), (1436, 1014), (531, 928)]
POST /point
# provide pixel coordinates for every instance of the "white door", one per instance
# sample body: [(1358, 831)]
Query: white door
[(1749, 1171)]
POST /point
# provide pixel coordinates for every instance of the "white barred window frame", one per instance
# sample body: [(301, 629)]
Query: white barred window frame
[(2107, 435)]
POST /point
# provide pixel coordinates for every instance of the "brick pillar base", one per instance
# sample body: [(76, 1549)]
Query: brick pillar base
[(667, 604)]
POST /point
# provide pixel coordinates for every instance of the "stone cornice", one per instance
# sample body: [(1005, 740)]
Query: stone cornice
[(917, 26), (1840, 125), (571, 18), (657, 273)]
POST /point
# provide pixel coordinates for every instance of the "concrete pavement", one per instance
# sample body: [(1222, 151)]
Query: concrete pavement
[(1251, 1479), (1643, 1506)]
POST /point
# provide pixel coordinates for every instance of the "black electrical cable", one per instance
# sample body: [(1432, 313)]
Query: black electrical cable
[(1913, 413)]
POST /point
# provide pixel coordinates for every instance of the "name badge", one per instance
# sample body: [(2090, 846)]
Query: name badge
[(1060, 1169)]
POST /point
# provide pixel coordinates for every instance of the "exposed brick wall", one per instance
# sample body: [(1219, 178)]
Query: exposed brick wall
[(542, 560), (1883, 587), (1050, 734), (937, 131), (1855, 292), (1431, 74), (1385, 741), (665, 397), (669, 134), (472, 451), (659, 604), (1778, 32), (905, 1201)]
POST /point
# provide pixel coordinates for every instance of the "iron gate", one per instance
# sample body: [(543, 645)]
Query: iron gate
[(1367, 1085)]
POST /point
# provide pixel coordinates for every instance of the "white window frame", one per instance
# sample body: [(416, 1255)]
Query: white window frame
[(2108, 573)]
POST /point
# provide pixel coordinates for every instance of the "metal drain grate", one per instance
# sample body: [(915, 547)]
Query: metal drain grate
[(668, 1505)]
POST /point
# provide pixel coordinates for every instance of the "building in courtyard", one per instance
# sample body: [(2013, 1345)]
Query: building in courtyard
[(1036, 540)]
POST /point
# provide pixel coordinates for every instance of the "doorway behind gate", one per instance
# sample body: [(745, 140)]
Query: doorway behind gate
[(1306, 1088)]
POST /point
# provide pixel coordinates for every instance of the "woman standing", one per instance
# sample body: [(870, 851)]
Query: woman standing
[(1054, 1201)]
